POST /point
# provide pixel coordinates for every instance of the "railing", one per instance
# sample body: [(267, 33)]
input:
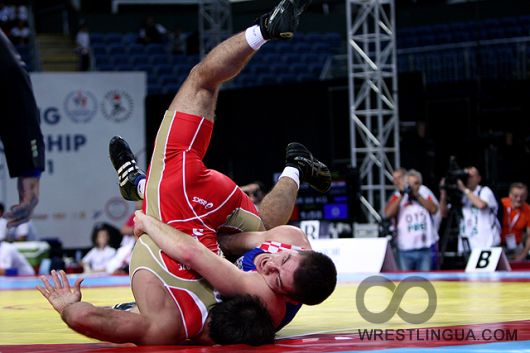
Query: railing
[(491, 59), (54, 19)]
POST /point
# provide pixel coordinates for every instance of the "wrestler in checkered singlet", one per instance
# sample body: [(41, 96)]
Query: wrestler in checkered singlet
[(246, 263)]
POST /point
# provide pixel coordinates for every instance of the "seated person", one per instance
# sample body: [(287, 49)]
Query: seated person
[(12, 260), (119, 264), (23, 232), (97, 258)]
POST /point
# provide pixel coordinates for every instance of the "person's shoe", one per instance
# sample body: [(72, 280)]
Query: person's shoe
[(124, 306), (124, 162), (312, 171), (281, 22)]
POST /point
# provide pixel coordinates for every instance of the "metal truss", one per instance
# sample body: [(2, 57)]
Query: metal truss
[(215, 23), (374, 120)]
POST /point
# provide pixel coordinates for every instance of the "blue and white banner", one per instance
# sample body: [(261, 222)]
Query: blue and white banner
[(80, 112)]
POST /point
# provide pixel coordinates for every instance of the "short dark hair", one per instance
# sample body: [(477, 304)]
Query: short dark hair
[(97, 228), (2, 208), (314, 279), (241, 319)]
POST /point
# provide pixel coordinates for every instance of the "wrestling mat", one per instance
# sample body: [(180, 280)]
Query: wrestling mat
[(472, 313)]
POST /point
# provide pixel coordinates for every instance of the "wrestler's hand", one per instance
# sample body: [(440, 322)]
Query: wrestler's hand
[(28, 194), (60, 294), (141, 221)]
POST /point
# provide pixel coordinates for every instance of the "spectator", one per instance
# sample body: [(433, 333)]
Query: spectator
[(4, 17), (398, 179), (479, 226), (515, 232), (12, 261), (151, 32), (23, 232), (82, 41), (22, 13), (20, 33), (413, 207), (255, 191), (97, 258), (3, 223), (119, 264), (178, 41)]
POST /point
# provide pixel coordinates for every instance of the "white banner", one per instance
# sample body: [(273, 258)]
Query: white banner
[(357, 255), (80, 112)]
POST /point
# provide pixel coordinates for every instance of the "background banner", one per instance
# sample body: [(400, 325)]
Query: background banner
[(79, 113)]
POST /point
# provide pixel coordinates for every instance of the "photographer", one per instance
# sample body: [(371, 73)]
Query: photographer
[(478, 223), (413, 208)]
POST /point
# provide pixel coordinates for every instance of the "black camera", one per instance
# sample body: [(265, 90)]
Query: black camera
[(407, 190), (454, 173)]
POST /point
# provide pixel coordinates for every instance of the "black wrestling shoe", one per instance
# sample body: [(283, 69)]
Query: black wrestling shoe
[(312, 171), (124, 162), (124, 306), (281, 22)]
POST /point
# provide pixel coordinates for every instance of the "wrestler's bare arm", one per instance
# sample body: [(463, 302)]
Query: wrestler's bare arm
[(111, 325), (101, 323), (222, 274)]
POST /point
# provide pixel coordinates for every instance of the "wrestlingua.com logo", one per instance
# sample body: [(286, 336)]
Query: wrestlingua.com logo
[(416, 334), (399, 292)]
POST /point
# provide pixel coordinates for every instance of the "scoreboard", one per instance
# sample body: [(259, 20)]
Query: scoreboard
[(335, 205)]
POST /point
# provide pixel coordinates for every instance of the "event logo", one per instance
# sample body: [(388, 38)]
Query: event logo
[(398, 294), (116, 208), (80, 106), (117, 106)]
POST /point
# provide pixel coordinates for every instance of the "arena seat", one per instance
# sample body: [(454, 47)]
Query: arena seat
[(139, 59), (124, 67), (113, 37)]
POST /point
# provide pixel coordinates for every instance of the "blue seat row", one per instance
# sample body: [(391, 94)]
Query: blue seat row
[(463, 31), (492, 62)]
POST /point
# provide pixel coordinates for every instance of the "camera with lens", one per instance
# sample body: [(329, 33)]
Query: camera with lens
[(454, 173), (407, 190)]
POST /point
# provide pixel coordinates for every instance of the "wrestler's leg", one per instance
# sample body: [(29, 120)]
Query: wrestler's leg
[(198, 94), (277, 206), (301, 166)]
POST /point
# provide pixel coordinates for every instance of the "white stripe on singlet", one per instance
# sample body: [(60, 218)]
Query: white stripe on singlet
[(207, 213), (163, 264), (195, 136), (146, 196), (197, 301), (186, 193), (170, 293), (164, 166)]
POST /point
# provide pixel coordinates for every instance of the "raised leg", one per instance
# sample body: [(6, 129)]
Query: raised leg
[(277, 206), (198, 94)]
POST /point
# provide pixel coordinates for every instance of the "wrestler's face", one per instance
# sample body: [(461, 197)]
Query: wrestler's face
[(278, 270)]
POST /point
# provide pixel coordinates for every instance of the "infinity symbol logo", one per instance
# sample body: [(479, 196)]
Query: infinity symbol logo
[(394, 305)]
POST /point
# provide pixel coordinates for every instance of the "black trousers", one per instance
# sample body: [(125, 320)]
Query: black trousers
[(19, 117)]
